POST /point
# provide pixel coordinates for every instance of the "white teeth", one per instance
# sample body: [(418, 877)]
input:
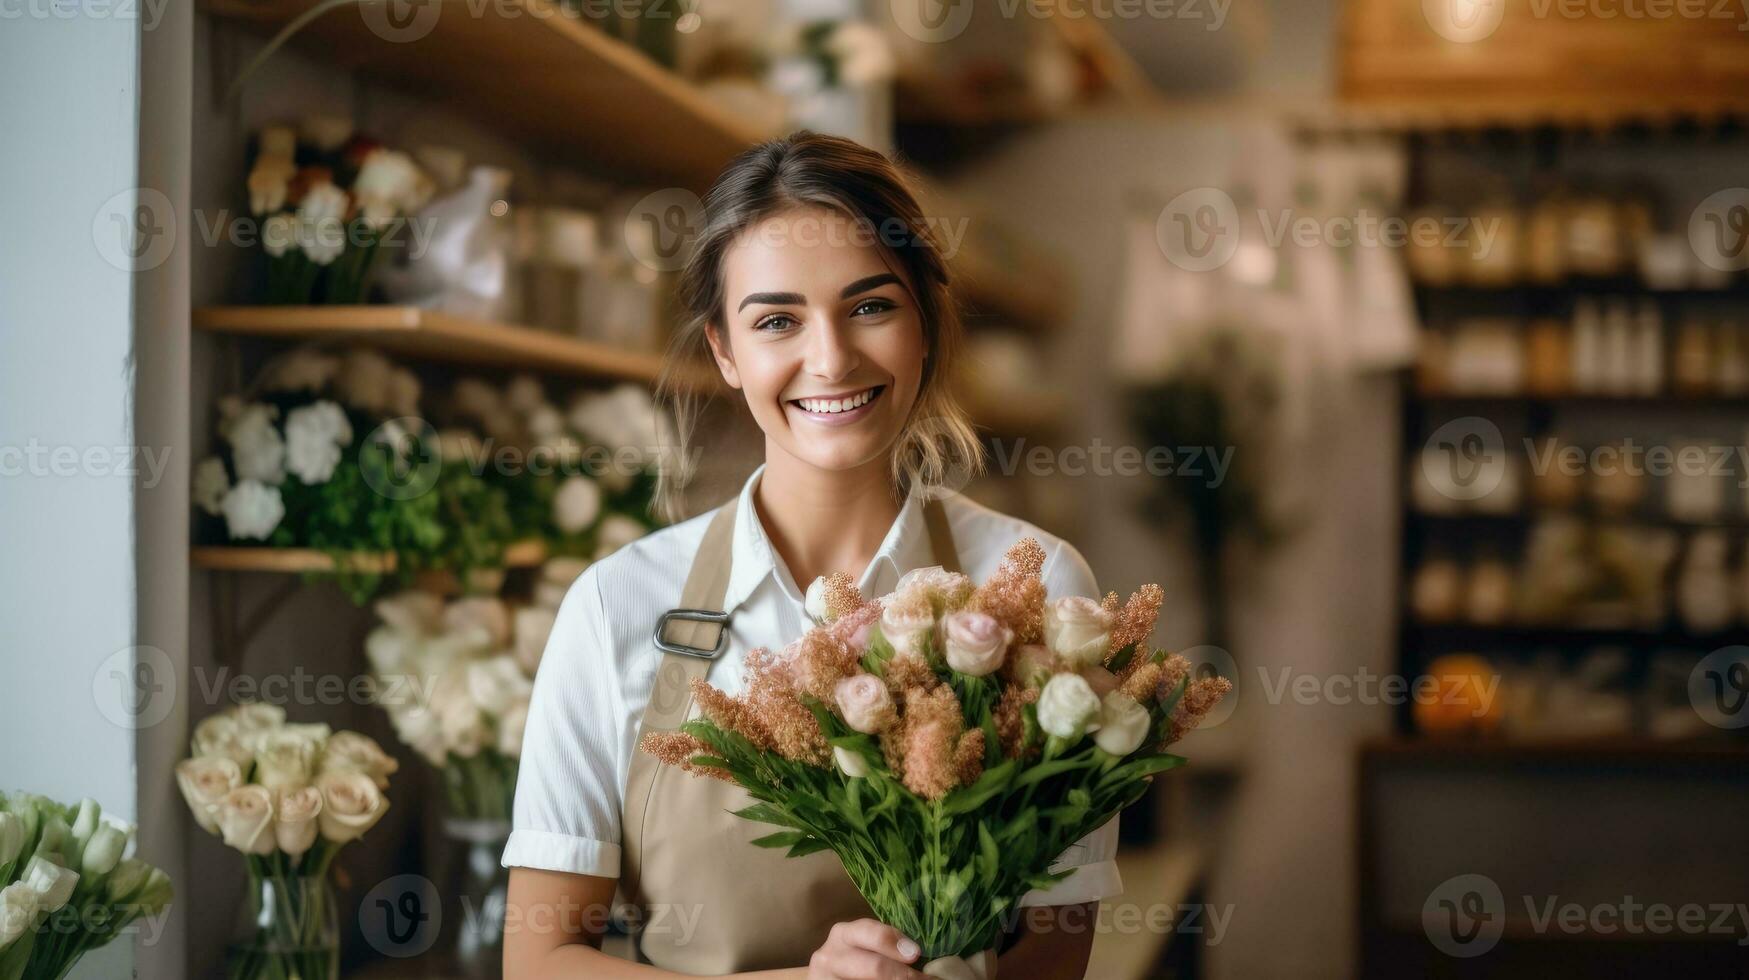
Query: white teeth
[(832, 406)]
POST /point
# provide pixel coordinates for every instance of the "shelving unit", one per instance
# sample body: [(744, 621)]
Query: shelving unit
[(427, 335), (532, 70), (297, 561)]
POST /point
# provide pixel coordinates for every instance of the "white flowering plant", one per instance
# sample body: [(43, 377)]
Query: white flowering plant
[(67, 884), (288, 797), (327, 199), (949, 741), (314, 457), (456, 679)]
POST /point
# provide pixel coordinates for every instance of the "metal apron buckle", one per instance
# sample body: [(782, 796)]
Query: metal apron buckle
[(695, 616)]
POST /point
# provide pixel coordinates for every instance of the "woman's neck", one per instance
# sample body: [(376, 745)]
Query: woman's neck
[(823, 521)]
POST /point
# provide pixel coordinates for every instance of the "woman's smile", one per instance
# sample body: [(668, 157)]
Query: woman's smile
[(837, 409)]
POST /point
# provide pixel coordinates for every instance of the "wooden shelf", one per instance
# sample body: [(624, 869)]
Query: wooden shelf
[(534, 71), (295, 561), (423, 334), (1599, 749)]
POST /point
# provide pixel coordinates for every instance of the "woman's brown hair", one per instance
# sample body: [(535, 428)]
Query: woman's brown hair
[(937, 445)]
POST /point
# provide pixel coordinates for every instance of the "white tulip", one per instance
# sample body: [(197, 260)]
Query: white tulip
[(205, 781), (252, 510), (1067, 706), (1123, 724), (129, 875), (351, 805), (51, 881), (852, 763), (105, 847), (11, 837), (18, 906), (245, 817), (295, 820), (576, 504)]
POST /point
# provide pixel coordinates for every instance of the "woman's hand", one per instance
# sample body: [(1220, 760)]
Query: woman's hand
[(864, 949)]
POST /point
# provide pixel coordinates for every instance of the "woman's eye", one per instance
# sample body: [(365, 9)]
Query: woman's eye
[(872, 307), (776, 321)]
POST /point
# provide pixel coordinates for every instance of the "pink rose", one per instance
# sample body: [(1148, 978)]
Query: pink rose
[(976, 642), (907, 627), (865, 704)]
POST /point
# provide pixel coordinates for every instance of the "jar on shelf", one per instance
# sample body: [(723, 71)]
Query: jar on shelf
[(1495, 245), (1431, 262), (1703, 588), (1545, 240), (565, 247), (1588, 370), (1437, 593), (1649, 350), (1593, 242), (1691, 368), (1694, 494), (1730, 359)]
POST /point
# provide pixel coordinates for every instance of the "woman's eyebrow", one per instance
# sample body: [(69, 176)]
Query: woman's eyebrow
[(866, 284), (773, 299)]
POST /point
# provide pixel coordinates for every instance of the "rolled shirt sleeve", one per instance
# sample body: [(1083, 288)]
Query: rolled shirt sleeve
[(1094, 857), (567, 811)]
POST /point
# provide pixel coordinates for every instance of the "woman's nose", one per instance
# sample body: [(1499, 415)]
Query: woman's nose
[(830, 352)]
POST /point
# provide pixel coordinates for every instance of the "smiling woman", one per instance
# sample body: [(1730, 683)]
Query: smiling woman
[(818, 293)]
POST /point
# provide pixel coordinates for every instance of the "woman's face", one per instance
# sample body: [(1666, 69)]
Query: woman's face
[(823, 338)]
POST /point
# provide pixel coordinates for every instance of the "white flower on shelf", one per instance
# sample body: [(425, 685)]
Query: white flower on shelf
[(576, 504), (253, 509), (483, 616), (314, 436), (279, 234), (257, 450), (321, 228), (496, 684), (268, 182), (390, 184), (209, 484)]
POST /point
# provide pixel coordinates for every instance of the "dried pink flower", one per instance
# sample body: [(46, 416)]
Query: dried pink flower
[(1199, 698), (1138, 616), (1014, 594), (677, 749)]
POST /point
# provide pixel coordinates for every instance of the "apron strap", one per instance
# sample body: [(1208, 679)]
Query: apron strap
[(671, 695)]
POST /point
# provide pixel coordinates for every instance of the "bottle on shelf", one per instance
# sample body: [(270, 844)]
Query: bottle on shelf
[(1648, 356), (1618, 349), (1589, 368), (1692, 364)]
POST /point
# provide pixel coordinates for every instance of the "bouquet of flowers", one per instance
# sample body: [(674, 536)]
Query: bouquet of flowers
[(327, 199), (456, 681), (68, 888), (949, 741), (288, 796)]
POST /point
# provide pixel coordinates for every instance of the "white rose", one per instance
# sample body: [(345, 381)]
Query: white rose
[(358, 753), (205, 781), (976, 642), (412, 611), (616, 531), (314, 435), (255, 716), (497, 683), (257, 451), (576, 505), (853, 764), (245, 819), (351, 805), (219, 737), (208, 485), (1123, 724), (1067, 707), (302, 369), (511, 726), (285, 759), (252, 510), (268, 182), (321, 226), (1077, 629), (295, 820), (419, 728), (907, 632), (815, 600), (279, 233), (533, 627), (485, 613)]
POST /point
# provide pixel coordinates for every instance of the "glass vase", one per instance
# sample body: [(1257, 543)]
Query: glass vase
[(289, 931), (481, 894)]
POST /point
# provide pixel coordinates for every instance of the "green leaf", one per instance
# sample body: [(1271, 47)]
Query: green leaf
[(969, 798), (802, 848), (783, 838)]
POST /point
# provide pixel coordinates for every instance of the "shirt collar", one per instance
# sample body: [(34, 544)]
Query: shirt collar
[(906, 547)]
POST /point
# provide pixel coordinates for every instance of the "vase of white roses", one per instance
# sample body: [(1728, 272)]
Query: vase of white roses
[(287, 796)]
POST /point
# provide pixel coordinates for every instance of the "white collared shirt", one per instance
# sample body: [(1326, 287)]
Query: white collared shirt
[(599, 666)]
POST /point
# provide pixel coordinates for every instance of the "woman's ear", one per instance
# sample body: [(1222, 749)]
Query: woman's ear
[(720, 352)]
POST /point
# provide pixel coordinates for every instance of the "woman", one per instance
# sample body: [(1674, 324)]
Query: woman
[(818, 293)]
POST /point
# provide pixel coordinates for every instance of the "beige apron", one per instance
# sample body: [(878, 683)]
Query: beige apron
[(709, 901)]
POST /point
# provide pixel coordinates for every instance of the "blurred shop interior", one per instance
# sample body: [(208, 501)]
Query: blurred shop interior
[(1486, 276)]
